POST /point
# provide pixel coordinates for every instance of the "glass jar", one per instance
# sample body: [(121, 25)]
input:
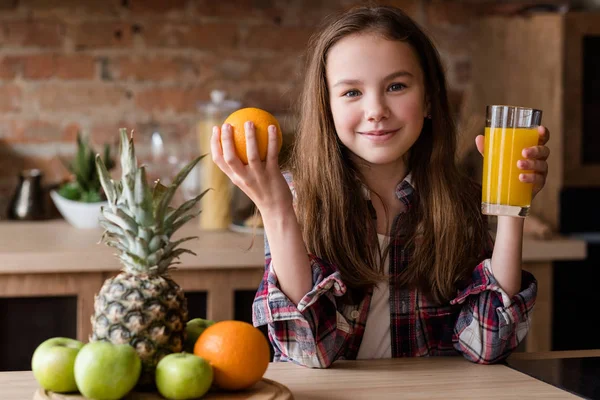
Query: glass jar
[(215, 205)]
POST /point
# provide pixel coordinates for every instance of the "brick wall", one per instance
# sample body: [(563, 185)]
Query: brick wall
[(97, 65)]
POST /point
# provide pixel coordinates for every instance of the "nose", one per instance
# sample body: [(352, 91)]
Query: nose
[(376, 108)]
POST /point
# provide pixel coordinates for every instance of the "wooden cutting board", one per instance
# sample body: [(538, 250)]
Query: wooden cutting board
[(265, 389)]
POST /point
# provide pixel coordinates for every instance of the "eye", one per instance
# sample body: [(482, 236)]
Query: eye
[(395, 87), (351, 93)]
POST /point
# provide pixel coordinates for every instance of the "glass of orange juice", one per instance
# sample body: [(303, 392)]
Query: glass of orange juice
[(508, 130)]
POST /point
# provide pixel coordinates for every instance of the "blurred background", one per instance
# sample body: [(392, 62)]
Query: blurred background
[(93, 66)]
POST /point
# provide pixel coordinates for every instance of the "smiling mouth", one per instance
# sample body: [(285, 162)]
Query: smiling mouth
[(379, 132)]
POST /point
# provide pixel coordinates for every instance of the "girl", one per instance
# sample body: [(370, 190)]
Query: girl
[(380, 249)]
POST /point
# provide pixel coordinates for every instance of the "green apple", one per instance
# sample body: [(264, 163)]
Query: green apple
[(53, 363), (194, 329), (182, 376), (106, 371)]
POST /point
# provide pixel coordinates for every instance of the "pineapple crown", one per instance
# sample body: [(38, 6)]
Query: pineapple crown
[(138, 220)]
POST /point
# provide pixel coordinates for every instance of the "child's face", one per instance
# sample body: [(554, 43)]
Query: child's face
[(377, 96)]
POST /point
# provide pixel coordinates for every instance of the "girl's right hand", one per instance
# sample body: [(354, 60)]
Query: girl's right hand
[(262, 181)]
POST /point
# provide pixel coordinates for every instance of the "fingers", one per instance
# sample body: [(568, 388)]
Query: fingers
[(539, 166), (217, 152), (536, 152), (479, 142), (538, 180), (229, 155), (544, 135), (272, 146), (251, 145)]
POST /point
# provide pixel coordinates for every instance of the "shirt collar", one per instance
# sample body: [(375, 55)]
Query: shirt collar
[(404, 190)]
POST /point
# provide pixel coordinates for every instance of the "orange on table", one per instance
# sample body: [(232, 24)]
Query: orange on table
[(261, 119), (238, 352)]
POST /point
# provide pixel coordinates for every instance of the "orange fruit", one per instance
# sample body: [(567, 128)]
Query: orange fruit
[(261, 119), (238, 352)]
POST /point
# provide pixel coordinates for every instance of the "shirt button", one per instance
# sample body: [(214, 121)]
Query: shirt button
[(355, 314)]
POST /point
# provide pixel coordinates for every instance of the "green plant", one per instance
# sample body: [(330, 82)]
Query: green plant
[(85, 185)]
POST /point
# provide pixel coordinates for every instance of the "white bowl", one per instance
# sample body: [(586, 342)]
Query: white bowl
[(79, 214)]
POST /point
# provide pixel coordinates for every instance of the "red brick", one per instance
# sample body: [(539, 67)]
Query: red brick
[(235, 8), (44, 66), (277, 38), (274, 100), (9, 66), (156, 6), (94, 35), (80, 98), (44, 7), (70, 131), (155, 69), (11, 98), (37, 131), (108, 131), (31, 34), (176, 99), (235, 66), (175, 134), (285, 69), (200, 36)]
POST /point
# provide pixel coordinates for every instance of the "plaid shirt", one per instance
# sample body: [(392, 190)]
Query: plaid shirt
[(482, 322)]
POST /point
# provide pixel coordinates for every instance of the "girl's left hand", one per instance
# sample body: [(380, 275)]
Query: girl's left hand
[(534, 161)]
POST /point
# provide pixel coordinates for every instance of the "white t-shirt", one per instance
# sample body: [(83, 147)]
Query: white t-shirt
[(376, 342)]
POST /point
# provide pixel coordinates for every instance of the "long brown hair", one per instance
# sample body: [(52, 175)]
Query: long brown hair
[(331, 210)]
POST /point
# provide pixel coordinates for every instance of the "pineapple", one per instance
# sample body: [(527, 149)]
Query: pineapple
[(142, 305)]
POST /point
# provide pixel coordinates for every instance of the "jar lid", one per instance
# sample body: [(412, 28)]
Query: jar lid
[(219, 104)]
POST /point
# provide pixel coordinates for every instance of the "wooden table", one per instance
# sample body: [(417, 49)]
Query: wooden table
[(405, 378), (52, 258)]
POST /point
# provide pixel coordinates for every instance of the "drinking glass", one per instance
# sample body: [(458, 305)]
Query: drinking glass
[(508, 130)]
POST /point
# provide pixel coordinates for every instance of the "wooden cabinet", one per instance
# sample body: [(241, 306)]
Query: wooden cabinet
[(61, 268), (550, 62)]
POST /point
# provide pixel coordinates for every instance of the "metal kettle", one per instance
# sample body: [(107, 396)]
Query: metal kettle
[(27, 202)]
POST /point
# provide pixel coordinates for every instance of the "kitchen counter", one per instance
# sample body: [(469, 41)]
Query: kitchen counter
[(52, 258), (55, 246), (406, 378)]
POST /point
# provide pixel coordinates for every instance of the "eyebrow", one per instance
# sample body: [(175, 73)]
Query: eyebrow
[(393, 75)]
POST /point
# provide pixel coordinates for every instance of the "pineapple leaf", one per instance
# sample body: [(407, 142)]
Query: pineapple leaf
[(166, 262), (106, 182), (185, 207), (155, 258), (117, 245), (141, 247), (177, 252), (182, 221), (156, 242), (133, 261), (143, 198), (122, 220), (128, 160), (168, 196), (157, 194), (176, 243)]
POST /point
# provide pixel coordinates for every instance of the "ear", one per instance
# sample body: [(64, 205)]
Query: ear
[(427, 108)]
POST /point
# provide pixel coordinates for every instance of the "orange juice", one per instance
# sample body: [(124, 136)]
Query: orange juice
[(503, 148)]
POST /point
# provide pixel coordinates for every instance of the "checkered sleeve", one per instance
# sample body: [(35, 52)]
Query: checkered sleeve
[(313, 332), (491, 324)]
